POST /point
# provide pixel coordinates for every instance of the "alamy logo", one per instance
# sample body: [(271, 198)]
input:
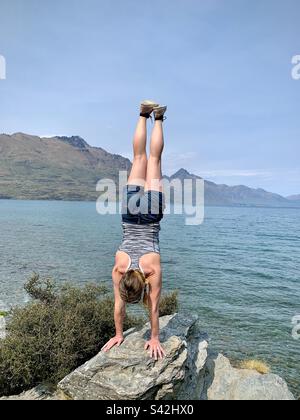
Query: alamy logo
[(2, 327), (296, 327), (2, 68), (180, 197), (296, 68)]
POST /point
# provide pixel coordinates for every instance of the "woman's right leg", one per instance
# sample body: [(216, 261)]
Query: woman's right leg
[(154, 172), (139, 165)]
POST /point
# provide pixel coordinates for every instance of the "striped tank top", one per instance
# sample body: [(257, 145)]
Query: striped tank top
[(139, 240)]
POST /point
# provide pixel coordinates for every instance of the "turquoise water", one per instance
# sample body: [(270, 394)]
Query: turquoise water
[(239, 270)]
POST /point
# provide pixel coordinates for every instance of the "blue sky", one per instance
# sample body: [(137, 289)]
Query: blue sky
[(222, 66)]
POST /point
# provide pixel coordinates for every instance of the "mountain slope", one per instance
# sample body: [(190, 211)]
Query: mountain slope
[(54, 168)]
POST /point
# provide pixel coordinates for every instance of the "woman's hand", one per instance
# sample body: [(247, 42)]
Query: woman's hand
[(155, 348), (115, 341)]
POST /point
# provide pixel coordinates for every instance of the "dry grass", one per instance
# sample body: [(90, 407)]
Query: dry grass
[(257, 365)]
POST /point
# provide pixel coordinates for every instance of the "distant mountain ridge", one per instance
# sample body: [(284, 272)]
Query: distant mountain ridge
[(75, 141), (68, 168), (238, 195), (294, 197)]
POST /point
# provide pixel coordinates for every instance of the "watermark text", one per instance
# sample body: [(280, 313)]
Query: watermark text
[(3, 313), (296, 327), (180, 196), (2, 67), (296, 67)]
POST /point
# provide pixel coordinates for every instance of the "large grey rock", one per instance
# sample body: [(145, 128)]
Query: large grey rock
[(129, 373), (223, 382)]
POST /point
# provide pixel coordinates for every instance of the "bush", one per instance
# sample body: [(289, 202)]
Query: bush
[(55, 333), (168, 304)]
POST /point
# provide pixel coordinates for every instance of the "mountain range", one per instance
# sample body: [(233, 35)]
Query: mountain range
[(68, 168)]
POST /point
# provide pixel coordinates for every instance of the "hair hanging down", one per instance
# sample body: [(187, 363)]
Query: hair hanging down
[(133, 287)]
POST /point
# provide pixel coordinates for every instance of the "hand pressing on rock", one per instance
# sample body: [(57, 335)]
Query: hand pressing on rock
[(115, 341), (155, 347)]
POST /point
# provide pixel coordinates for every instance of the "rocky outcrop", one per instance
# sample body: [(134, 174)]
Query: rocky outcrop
[(127, 372), (223, 382), (189, 371)]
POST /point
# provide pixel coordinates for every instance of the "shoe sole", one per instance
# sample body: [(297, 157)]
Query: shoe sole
[(149, 102)]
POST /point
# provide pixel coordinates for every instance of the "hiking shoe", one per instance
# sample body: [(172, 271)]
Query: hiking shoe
[(147, 107), (159, 113)]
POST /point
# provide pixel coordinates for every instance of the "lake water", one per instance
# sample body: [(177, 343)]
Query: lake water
[(239, 270)]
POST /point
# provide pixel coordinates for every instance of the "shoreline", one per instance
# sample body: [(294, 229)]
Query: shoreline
[(90, 201)]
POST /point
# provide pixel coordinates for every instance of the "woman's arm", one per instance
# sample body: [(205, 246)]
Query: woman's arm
[(119, 312), (120, 307), (155, 283)]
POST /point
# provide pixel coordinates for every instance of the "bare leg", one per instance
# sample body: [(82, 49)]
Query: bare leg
[(139, 166), (154, 172)]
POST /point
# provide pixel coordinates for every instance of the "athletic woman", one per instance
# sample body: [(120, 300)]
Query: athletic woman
[(137, 272)]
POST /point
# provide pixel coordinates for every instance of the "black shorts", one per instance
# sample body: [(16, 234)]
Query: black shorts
[(140, 207)]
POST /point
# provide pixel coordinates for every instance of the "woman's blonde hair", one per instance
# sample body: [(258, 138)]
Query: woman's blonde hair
[(134, 287)]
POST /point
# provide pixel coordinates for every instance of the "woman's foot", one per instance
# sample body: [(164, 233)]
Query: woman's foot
[(147, 107), (159, 113)]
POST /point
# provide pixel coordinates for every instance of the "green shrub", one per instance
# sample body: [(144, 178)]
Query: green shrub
[(168, 304), (55, 333)]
